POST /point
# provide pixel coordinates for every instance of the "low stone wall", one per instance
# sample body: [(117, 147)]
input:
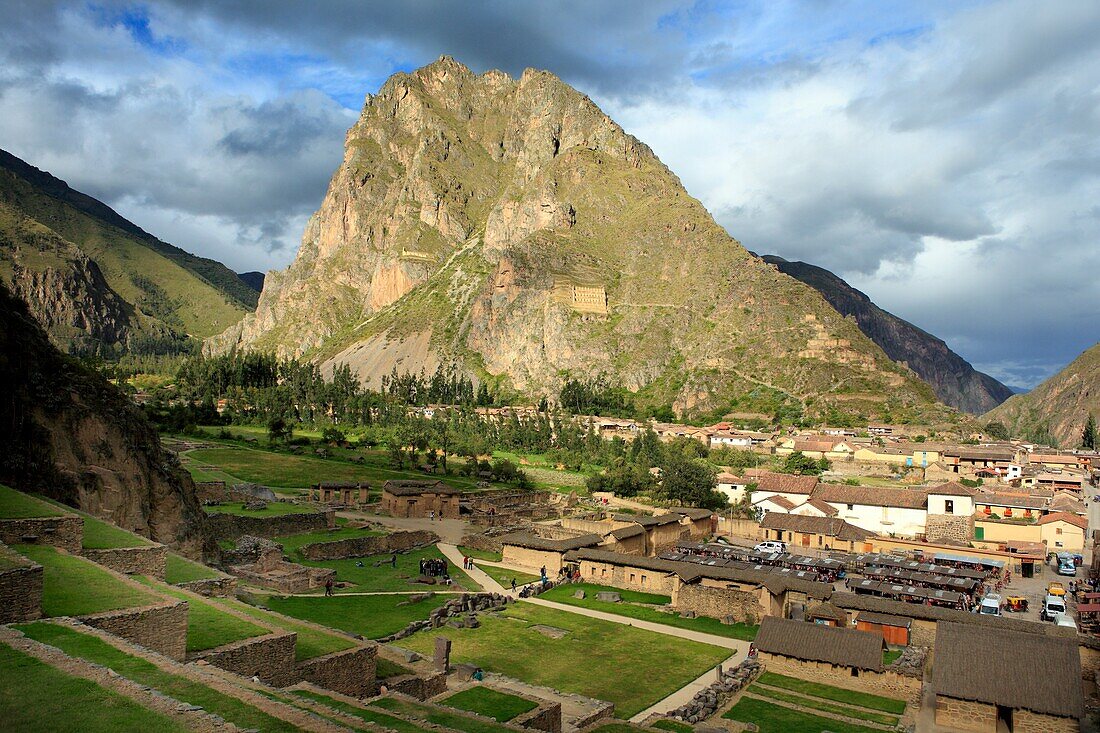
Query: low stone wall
[(271, 658), (965, 715), (212, 587), (887, 683), (546, 717), (65, 532), (162, 628), (1025, 721), (719, 603), (231, 526), (286, 577), (421, 688), (726, 684), (350, 672), (363, 546), (20, 589), (146, 560), (460, 611)]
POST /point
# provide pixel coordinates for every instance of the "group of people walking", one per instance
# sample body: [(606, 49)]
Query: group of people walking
[(433, 567)]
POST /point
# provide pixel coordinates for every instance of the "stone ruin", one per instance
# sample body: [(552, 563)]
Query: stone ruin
[(260, 561), (707, 701), (460, 612)]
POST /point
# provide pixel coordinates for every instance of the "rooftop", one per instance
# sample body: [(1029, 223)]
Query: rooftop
[(818, 643)]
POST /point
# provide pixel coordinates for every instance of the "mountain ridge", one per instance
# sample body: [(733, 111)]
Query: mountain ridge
[(954, 380)]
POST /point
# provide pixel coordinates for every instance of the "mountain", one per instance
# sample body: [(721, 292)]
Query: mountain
[(1056, 410), (509, 227), (254, 280), (955, 382), (99, 283), (68, 433)]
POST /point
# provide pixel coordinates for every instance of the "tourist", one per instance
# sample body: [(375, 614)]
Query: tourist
[(393, 559), (513, 585), (431, 516), (328, 586)]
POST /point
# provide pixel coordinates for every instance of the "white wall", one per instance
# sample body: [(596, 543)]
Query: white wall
[(884, 520), (963, 505)]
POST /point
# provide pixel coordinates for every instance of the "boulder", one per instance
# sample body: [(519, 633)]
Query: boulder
[(579, 593), (609, 597)]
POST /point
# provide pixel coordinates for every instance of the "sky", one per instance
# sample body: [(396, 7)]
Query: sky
[(943, 157)]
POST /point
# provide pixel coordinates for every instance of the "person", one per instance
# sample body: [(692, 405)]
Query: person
[(431, 516), (422, 567), (328, 586), (393, 559), (513, 585), (542, 571)]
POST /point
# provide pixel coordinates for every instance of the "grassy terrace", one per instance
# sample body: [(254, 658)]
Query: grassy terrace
[(771, 718), (101, 535), (370, 616), (385, 578), (837, 694), (371, 715), (504, 575), (499, 706), (17, 505), (673, 725), (178, 569), (209, 625), (293, 543), (430, 714), (35, 696), (385, 668), (73, 586), (311, 642), (638, 606), (815, 703), (508, 642), (93, 649)]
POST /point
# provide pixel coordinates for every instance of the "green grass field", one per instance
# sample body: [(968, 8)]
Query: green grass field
[(17, 505), (386, 578), (209, 625), (480, 554), (370, 616), (673, 725), (504, 576), (384, 668), (73, 586), (499, 706), (100, 535), (771, 718), (815, 703), (443, 717), (271, 468), (837, 694), (178, 569), (86, 646), (311, 643), (631, 608), (371, 715), (35, 697), (507, 643)]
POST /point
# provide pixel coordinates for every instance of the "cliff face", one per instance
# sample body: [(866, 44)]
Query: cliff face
[(69, 434), (955, 382), (510, 227), (96, 282), (1059, 407)]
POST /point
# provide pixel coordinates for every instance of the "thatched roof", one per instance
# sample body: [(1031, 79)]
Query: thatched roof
[(811, 524), (817, 643), (531, 541), (1008, 668), (623, 533)]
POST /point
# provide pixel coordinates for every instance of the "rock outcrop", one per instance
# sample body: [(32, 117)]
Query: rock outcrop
[(1056, 411), (67, 433), (510, 227), (954, 380)]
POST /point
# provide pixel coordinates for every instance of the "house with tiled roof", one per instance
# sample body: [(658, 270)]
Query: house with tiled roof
[(799, 530)]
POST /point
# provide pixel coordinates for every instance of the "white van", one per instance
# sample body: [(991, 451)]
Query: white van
[(771, 546), (990, 605), (1053, 606)]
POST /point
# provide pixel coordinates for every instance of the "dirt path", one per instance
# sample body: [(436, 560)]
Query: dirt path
[(478, 575)]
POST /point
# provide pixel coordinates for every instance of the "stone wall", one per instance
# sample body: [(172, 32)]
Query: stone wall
[(212, 587), (1025, 721), (965, 715), (65, 532), (720, 603), (231, 526), (525, 557), (888, 683), (363, 546), (628, 577), (546, 717), (350, 672), (162, 628), (949, 528), (20, 589), (420, 688), (146, 560), (270, 657)]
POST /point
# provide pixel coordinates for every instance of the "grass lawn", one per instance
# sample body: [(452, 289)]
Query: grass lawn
[(591, 589), (370, 715), (507, 643), (178, 569), (208, 625), (890, 656), (504, 575), (17, 505), (311, 642), (618, 728), (837, 694), (777, 719), (100, 535), (386, 578), (278, 470), (673, 725), (369, 616), (273, 509), (385, 668), (35, 696), (144, 672), (292, 543), (632, 609), (499, 706), (828, 707), (454, 721), (73, 586), (480, 554)]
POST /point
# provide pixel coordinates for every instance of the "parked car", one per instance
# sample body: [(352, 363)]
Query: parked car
[(1053, 606), (1055, 588), (990, 605), (771, 546)]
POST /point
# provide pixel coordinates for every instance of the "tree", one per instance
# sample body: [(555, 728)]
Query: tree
[(628, 479), (690, 482), (800, 463), (1088, 435), (278, 429), (996, 430)]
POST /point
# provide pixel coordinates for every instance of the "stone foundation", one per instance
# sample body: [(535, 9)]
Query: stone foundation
[(145, 560), (887, 683), (363, 546), (66, 533), (212, 587), (162, 628), (232, 526), (546, 717), (350, 672), (270, 657), (1025, 721), (421, 688), (720, 603), (20, 589), (965, 715)]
